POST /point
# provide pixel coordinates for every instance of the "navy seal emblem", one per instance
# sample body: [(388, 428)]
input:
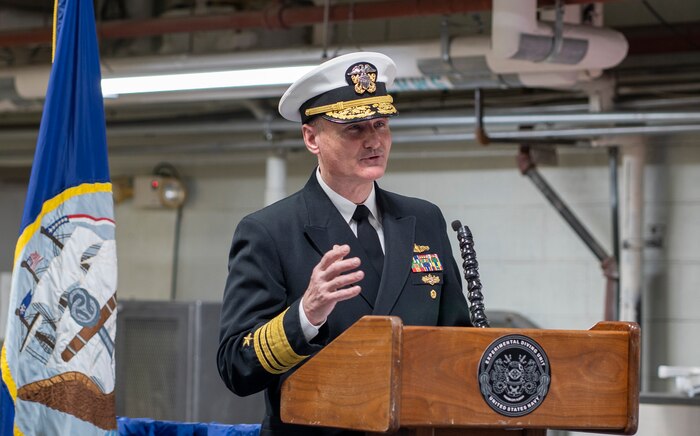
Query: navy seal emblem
[(514, 375)]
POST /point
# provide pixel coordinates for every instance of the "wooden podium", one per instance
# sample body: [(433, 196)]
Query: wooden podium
[(380, 376)]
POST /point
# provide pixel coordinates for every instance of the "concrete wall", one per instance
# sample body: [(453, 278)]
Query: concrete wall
[(660, 420), (672, 270), (525, 264), (11, 207), (530, 261)]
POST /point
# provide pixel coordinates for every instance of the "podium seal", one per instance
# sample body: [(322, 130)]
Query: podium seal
[(514, 375)]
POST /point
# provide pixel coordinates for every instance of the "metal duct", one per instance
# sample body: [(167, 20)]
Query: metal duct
[(538, 48), (521, 43), (420, 64)]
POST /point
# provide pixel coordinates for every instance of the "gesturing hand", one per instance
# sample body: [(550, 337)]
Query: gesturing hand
[(330, 284)]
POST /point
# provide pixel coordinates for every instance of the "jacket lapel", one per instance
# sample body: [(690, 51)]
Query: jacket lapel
[(398, 240), (327, 228)]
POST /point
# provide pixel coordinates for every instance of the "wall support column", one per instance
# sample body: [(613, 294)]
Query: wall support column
[(631, 222), (276, 177)]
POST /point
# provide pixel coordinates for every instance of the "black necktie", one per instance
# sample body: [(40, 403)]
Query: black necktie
[(368, 238)]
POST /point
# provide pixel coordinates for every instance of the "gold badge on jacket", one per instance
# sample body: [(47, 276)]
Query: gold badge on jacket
[(247, 340), (420, 248), (431, 279)]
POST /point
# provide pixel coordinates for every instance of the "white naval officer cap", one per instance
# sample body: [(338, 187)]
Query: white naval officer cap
[(345, 89)]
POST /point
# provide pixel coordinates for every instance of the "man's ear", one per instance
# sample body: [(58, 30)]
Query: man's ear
[(310, 134)]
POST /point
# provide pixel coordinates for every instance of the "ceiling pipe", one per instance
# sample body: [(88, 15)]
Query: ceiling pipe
[(432, 120), (424, 138), (276, 16), (598, 137)]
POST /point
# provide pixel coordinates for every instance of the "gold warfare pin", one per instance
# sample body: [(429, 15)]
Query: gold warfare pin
[(431, 279), (420, 248)]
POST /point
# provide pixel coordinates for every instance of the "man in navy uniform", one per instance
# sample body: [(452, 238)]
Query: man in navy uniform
[(304, 269)]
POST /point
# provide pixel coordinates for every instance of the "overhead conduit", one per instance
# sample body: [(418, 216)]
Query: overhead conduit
[(275, 16), (511, 57)]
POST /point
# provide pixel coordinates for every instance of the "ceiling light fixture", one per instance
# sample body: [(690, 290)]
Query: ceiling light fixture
[(115, 86)]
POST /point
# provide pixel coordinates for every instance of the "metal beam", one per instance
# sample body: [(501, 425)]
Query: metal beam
[(275, 16)]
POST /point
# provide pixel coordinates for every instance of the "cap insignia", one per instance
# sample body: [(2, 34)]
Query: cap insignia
[(364, 77)]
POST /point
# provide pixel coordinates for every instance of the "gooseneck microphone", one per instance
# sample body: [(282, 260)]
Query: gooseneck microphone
[(471, 273)]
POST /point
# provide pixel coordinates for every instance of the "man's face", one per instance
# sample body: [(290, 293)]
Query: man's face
[(350, 153)]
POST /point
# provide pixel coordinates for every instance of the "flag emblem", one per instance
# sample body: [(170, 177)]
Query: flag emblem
[(58, 354)]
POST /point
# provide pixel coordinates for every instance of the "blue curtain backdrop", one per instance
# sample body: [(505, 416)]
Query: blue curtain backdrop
[(150, 427)]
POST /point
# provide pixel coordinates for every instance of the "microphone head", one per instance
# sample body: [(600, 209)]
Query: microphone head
[(456, 224)]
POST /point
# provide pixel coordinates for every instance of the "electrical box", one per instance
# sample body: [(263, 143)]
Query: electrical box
[(147, 191), (158, 192)]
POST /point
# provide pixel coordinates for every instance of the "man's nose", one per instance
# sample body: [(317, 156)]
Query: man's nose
[(373, 142), (373, 139)]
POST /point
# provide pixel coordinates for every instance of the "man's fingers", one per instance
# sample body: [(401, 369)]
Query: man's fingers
[(334, 254), (347, 293), (344, 280), (341, 266), (332, 280)]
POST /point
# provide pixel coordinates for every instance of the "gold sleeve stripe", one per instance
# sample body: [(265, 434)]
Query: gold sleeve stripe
[(273, 349), (267, 343), (262, 358), (347, 104), (283, 352)]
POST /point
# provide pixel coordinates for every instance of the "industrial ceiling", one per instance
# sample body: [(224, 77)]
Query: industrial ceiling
[(448, 47)]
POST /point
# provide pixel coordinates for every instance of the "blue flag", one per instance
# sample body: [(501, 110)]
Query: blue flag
[(58, 355)]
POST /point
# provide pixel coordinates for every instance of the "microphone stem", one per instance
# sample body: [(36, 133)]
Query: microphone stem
[(471, 274)]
